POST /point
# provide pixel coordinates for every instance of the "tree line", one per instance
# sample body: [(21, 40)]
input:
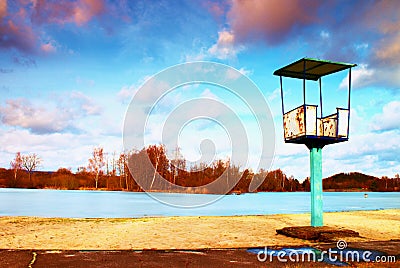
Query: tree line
[(112, 172)]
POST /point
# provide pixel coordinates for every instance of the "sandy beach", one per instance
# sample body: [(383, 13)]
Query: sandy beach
[(184, 232)]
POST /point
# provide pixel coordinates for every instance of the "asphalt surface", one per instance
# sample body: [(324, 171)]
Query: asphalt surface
[(88, 259), (180, 258)]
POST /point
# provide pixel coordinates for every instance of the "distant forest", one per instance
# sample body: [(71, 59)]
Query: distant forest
[(111, 172)]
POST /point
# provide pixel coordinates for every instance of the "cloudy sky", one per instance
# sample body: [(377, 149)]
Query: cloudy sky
[(69, 69)]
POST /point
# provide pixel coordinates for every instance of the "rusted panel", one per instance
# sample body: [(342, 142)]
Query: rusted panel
[(329, 125), (343, 122), (296, 123), (293, 123), (320, 127)]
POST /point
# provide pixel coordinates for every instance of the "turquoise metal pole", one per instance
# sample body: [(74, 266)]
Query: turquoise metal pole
[(316, 187)]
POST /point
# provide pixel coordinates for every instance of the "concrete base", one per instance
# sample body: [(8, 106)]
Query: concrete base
[(320, 234)]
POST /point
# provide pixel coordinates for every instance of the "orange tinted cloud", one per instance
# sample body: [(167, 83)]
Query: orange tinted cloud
[(19, 22), (270, 20), (86, 9), (345, 25), (384, 17), (78, 12), (216, 9), (3, 9), (18, 35), (48, 48), (15, 31), (388, 50)]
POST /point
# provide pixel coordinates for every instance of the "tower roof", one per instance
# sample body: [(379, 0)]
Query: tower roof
[(312, 69)]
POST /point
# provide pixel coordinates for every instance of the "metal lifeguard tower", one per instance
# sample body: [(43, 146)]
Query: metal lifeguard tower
[(302, 125)]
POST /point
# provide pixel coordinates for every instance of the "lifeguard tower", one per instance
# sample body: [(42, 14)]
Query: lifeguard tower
[(303, 125)]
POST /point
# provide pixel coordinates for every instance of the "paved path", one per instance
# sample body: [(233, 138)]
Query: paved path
[(89, 259), (176, 258)]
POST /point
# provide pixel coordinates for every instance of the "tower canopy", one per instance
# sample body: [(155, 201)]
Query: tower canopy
[(312, 69)]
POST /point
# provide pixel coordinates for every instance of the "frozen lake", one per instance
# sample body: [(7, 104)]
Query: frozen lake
[(104, 204)]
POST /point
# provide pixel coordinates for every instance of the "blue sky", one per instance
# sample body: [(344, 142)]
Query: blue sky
[(69, 69)]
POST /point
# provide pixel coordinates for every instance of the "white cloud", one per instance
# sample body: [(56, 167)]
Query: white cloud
[(324, 35), (274, 95), (49, 117), (246, 72), (20, 112), (126, 93), (362, 76), (225, 48), (361, 46), (291, 158), (389, 119), (233, 74), (84, 103), (55, 149), (202, 55), (208, 94), (214, 136), (372, 153), (85, 82)]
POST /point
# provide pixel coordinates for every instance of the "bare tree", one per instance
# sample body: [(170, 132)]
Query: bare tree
[(16, 165), (159, 160), (81, 170), (177, 164), (113, 165), (96, 163), (122, 167), (227, 171), (30, 162)]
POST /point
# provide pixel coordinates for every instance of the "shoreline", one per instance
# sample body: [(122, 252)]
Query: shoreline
[(351, 190), (185, 232), (187, 216)]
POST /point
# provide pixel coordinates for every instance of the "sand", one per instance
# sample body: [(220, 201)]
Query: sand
[(184, 232)]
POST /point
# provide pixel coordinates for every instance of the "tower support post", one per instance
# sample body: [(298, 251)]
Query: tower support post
[(316, 187)]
